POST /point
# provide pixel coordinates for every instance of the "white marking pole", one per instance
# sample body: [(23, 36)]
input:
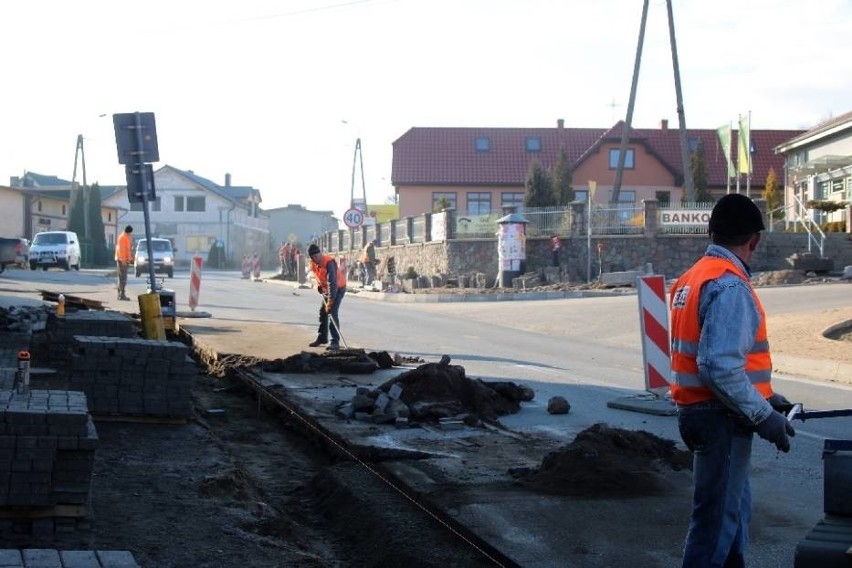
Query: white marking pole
[(654, 320), (194, 282)]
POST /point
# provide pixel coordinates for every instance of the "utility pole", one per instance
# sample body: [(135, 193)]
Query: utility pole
[(625, 136), (357, 157), (81, 153)]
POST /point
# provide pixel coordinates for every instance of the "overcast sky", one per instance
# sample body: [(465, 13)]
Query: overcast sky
[(275, 92)]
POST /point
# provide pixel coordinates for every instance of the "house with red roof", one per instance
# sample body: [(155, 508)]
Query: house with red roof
[(482, 170)]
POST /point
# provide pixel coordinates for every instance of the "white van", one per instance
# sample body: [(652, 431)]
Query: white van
[(55, 248), (164, 257)]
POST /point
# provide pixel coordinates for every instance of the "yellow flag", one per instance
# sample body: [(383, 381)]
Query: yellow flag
[(744, 144)]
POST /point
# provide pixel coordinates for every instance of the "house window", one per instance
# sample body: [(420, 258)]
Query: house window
[(613, 159), (63, 209), (664, 197), (581, 195), (445, 200), (109, 217), (156, 205), (482, 144), (512, 199), (38, 205), (478, 203), (195, 203), (693, 144), (533, 144), (179, 201)]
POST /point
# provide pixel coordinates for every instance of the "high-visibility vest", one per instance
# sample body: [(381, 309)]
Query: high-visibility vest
[(687, 387), (123, 248), (321, 272)]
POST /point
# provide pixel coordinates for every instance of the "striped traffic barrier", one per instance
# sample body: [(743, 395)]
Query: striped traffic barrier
[(654, 318), (194, 282)]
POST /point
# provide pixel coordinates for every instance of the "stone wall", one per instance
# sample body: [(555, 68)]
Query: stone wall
[(668, 254)]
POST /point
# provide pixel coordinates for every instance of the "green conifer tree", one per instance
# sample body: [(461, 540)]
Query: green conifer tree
[(538, 187)]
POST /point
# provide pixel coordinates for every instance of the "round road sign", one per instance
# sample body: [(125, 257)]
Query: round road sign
[(353, 218)]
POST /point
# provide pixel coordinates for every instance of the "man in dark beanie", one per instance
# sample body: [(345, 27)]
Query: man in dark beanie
[(331, 283), (721, 372)]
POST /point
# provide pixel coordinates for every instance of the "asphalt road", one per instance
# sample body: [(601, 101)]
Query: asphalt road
[(587, 350)]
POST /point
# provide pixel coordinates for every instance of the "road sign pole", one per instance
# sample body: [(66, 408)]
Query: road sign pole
[(145, 213)]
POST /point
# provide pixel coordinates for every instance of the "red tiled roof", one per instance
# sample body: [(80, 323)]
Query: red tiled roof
[(447, 156)]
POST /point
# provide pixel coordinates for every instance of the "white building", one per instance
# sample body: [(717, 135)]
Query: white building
[(195, 213)]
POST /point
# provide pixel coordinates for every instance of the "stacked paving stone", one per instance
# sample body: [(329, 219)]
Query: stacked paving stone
[(58, 341), (47, 455), (133, 376), (50, 558)]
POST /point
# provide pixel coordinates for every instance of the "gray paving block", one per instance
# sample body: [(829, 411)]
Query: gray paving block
[(41, 558), (79, 559), (117, 559), (11, 558)]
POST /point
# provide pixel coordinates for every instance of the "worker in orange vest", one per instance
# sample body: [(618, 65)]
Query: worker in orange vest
[(721, 373), (331, 283), (123, 258)]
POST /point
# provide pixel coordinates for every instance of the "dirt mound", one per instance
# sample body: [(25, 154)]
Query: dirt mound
[(608, 462), (443, 390), (779, 277), (349, 361), (233, 483)]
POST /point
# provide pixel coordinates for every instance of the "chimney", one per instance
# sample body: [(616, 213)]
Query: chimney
[(560, 123), (227, 180), (664, 125)]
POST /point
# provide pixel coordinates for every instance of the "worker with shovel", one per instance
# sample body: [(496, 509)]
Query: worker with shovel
[(721, 372), (331, 283)]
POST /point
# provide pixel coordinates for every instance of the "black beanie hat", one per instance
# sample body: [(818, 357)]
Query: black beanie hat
[(735, 215), (313, 249)]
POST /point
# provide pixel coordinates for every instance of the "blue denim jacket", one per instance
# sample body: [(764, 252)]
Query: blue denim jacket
[(729, 320)]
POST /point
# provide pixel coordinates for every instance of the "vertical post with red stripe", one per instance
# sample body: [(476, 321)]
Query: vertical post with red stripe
[(654, 318), (194, 282)]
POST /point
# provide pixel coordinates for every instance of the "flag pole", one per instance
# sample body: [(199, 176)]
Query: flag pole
[(728, 161), (748, 158)]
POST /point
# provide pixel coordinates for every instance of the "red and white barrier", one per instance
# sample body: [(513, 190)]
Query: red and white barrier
[(194, 282), (654, 317)]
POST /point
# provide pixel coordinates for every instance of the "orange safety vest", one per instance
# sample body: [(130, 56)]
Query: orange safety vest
[(687, 386), (321, 272), (123, 248)]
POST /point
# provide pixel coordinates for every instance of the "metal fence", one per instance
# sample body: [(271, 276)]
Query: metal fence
[(618, 219)]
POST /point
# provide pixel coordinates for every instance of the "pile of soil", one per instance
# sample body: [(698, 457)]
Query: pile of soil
[(608, 462), (444, 390), (779, 277), (346, 361)]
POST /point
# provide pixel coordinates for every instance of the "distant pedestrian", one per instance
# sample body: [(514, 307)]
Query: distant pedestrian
[(283, 254), (368, 264), (331, 284), (555, 245), (123, 258), (245, 267)]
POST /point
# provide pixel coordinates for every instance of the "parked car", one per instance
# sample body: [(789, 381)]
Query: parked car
[(164, 257), (55, 248), (7, 252)]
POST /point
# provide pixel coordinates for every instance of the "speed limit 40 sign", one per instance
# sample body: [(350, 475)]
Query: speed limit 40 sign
[(353, 218)]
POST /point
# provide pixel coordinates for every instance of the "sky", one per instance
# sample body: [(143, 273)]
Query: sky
[(276, 92)]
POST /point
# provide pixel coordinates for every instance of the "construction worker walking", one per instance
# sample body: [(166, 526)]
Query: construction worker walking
[(331, 284), (721, 372), (123, 258)]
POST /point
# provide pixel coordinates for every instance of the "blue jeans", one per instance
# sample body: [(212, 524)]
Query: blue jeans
[(721, 499), (323, 331)]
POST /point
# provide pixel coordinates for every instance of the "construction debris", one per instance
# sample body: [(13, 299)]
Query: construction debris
[(607, 462), (438, 394)]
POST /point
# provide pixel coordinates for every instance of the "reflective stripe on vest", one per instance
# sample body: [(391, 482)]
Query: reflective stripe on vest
[(687, 386)]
